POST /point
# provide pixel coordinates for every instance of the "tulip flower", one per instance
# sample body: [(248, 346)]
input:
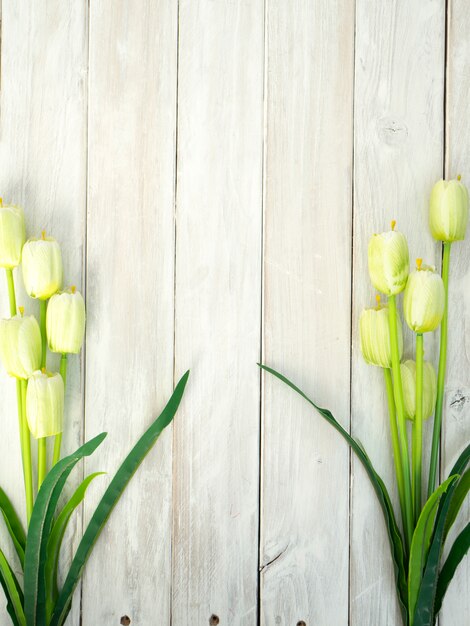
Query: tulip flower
[(408, 375), (44, 412), (20, 345), (375, 336), (65, 322), (42, 267), (388, 261), (424, 300), (45, 404), (448, 215), (12, 235)]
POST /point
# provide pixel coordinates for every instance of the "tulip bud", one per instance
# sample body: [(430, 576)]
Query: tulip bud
[(388, 261), (375, 336), (45, 404), (12, 235), (65, 322), (448, 215), (20, 345), (408, 377), (423, 304), (42, 267)]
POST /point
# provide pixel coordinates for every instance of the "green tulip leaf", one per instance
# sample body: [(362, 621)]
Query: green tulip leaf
[(12, 591), (424, 614), (461, 463), (14, 526), (56, 537), (459, 549), (459, 496), (420, 545), (39, 531), (396, 542), (110, 499)]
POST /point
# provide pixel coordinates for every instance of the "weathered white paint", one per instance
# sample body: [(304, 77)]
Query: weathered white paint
[(218, 311), (307, 284), (456, 607), (130, 269), (118, 118)]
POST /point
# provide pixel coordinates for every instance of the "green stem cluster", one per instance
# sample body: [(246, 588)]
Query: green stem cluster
[(400, 412), (441, 373), (395, 442)]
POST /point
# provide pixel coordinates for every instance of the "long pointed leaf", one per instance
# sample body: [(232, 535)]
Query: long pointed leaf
[(461, 463), (424, 614), (457, 552), (111, 497), (12, 591), (56, 537), (396, 542), (14, 526), (39, 530), (459, 496), (420, 545)]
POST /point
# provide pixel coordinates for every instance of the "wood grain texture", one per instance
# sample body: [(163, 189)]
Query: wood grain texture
[(43, 168), (130, 269), (307, 274), (456, 421), (398, 156), (218, 310), (117, 118)]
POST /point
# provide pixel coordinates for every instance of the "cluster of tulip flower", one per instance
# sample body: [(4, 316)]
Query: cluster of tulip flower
[(24, 341), (414, 392), (38, 597), (413, 389)]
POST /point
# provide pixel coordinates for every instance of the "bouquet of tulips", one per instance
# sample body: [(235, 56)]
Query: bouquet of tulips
[(30, 583), (414, 393)]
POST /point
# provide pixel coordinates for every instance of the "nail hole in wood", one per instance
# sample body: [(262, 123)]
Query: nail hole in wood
[(213, 620), (125, 620)]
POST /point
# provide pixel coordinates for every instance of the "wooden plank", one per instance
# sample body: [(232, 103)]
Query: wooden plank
[(456, 423), (129, 374), (305, 503), (218, 289), (43, 168), (398, 157)]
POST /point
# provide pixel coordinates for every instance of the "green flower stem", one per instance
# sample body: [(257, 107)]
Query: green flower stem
[(58, 437), (26, 444), (395, 442), (436, 434), (417, 436), (11, 291), (42, 460), (398, 389), (13, 311), (20, 409), (42, 325)]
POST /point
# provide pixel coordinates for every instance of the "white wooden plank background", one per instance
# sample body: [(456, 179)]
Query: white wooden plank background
[(213, 171), (307, 283), (456, 609)]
